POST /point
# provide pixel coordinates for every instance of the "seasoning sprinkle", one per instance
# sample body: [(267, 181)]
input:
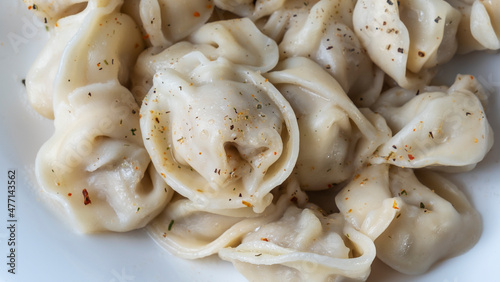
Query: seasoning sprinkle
[(86, 198)]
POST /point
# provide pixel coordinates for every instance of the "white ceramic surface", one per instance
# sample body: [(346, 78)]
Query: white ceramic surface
[(46, 250)]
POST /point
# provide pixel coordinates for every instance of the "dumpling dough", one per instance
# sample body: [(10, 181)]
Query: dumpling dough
[(324, 33), (188, 230), (95, 167), (218, 131), (336, 137), (415, 221), (239, 41), (112, 52), (407, 38), (304, 245), (165, 22), (51, 11), (444, 128), (321, 31), (253, 9), (479, 27)]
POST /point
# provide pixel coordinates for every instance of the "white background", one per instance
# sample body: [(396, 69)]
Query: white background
[(47, 250)]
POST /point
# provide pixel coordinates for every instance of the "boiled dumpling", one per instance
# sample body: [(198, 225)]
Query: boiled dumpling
[(336, 137), (188, 230), (479, 27), (95, 168), (444, 128), (415, 222), (216, 130), (324, 33), (165, 22), (407, 38), (237, 40), (112, 53), (303, 245)]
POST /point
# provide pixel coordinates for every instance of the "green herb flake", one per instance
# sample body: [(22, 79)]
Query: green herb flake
[(170, 225), (422, 206)]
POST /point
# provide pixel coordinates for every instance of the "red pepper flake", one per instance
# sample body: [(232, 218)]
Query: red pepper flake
[(395, 205), (264, 239), (30, 7), (86, 198), (246, 204), (146, 36), (275, 153), (411, 157), (69, 194), (196, 14)]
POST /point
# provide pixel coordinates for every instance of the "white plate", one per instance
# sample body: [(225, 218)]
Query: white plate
[(46, 250)]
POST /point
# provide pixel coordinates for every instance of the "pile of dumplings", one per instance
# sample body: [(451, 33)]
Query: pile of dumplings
[(209, 122)]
